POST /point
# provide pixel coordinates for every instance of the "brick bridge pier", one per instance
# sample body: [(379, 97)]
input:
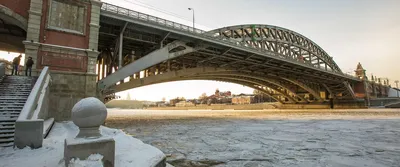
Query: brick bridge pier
[(62, 35)]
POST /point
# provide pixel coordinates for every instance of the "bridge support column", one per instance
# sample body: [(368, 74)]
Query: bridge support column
[(33, 32), (70, 51)]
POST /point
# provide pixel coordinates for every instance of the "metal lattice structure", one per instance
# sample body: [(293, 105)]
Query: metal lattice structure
[(260, 56), (282, 42)]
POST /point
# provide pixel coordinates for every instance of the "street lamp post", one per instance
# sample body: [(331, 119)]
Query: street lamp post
[(397, 86), (192, 9)]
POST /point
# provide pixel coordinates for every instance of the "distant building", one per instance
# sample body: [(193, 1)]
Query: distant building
[(172, 102), (184, 104), (161, 104), (243, 99), (222, 94)]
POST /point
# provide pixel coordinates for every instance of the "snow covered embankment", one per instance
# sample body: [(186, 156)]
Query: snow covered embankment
[(129, 151)]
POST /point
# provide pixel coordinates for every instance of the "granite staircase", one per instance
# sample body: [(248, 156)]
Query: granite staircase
[(14, 91)]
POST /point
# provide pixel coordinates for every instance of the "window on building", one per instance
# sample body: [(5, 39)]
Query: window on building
[(67, 16)]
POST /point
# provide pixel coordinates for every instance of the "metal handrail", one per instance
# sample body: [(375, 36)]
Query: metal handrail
[(198, 32), (32, 103)]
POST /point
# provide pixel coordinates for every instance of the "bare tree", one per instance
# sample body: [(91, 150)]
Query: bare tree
[(163, 99), (257, 92), (203, 96)]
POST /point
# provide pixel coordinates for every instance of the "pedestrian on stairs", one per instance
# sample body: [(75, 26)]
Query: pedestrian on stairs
[(15, 63), (29, 64)]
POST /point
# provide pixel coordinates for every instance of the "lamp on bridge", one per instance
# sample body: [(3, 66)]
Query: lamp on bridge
[(192, 9), (397, 86)]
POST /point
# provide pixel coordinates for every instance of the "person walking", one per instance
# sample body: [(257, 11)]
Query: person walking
[(29, 64), (15, 63)]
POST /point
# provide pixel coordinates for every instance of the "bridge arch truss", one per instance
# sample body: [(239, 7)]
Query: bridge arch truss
[(285, 61)]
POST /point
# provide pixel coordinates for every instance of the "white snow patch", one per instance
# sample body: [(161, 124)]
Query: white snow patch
[(93, 160), (129, 151)]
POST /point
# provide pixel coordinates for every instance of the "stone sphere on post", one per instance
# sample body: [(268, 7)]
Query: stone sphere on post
[(88, 114)]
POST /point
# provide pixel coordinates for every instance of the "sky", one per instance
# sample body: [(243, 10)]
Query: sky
[(351, 31)]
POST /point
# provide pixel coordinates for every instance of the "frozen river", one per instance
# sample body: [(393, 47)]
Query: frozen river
[(261, 138)]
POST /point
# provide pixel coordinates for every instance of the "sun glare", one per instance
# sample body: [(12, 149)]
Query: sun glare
[(9, 56)]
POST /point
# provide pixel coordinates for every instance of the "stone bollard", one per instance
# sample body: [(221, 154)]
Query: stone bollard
[(88, 114)]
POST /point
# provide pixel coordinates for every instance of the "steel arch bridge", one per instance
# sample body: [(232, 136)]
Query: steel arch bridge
[(279, 62)]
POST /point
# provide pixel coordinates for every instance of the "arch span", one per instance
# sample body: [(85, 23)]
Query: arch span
[(277, 88), (13, 27), (250, 85), (13, 18), (285, 42)]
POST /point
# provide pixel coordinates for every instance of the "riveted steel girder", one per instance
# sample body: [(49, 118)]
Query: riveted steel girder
[(277, 39), (147, 61), (269, 82)]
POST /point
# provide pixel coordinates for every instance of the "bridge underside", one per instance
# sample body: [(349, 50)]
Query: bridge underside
[(281, 63), (12, 30)]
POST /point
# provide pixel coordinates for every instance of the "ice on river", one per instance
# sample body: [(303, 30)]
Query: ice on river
[(265, 142)]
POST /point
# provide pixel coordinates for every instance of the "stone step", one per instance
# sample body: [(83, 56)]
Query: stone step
[(16, 84), (14, 94), (12, 98), (7, 123), (16, 100), (7, 135), (4, 131), (15, 90), (12, 91), (12, 88), (7, 127), (17, 103), (10, 111), (9, 114), (6, 140), (14, 108), (10, 106), (8, 144), (27, 83), (8, 118)]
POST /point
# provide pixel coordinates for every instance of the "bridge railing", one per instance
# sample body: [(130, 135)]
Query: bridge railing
[(29, 126), (198, 32), (145, 17)]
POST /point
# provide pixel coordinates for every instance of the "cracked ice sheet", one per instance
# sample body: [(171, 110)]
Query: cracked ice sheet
[(129, 151), (258, 142)]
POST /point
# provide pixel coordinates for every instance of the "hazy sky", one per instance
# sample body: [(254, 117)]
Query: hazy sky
[(351, 31)]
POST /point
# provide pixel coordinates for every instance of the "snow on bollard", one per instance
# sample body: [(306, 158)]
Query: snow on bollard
[(88, 114)]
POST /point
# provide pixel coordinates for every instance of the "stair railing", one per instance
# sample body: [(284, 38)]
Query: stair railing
[(29, 126)]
